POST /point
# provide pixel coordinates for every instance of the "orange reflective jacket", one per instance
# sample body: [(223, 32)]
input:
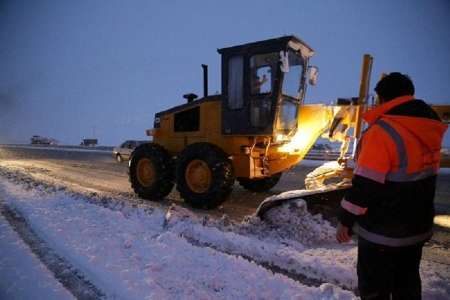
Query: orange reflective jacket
[(394, 180), (399, 148)]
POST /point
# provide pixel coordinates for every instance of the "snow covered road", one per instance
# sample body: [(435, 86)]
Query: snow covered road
[(133, 254), (80, 209), (100, 173), (129, 251)]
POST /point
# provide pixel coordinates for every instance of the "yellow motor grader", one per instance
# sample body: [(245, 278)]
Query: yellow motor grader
[(256, 129)]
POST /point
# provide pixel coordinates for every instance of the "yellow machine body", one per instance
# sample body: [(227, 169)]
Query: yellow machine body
[(262, 155), (252, 156)]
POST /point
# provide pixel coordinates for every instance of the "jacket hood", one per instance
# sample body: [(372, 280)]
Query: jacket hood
[(430, 132), (375, 113)]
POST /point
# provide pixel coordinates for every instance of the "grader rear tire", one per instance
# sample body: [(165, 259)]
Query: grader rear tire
[(204, 175), (260, 185), (151, 172)]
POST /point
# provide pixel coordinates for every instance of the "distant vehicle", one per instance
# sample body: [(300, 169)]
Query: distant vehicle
[(89, 142), (322, 148), (123, 152), (41, 140)]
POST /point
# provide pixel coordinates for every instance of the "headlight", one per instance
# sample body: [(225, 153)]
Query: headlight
[(280, 138)]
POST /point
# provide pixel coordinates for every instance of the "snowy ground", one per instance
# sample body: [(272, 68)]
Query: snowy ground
[(128, 251), (23, 276)]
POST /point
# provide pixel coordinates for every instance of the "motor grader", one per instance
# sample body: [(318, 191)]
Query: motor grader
[(255, 130)]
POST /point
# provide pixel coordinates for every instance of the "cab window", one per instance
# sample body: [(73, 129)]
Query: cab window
[(236, 82), (262, 67)]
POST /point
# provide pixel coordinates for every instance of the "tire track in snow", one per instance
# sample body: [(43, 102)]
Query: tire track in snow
[(266, 265), (71, 278)]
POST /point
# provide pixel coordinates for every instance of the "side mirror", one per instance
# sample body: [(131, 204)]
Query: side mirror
[(313, 73)]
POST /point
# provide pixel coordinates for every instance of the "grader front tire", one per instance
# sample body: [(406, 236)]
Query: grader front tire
[(204, 175), (151, 172)]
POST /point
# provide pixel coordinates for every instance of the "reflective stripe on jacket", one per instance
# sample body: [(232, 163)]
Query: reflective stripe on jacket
[(395, 176)]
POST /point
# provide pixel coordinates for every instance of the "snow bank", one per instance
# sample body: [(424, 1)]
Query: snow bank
[(292, 221), (135, 255), (316, 261), (300, 254)]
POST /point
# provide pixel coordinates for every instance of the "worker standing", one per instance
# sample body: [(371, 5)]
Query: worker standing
[(390, 205)]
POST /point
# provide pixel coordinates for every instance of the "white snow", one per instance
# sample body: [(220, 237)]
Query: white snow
[(273, 245), (22, 275), (136, 253), (132, 255)]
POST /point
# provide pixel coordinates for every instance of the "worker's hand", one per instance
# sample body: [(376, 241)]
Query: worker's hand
[(342, 233)]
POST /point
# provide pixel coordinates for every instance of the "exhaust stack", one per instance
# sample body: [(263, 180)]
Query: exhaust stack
[(205, 80)]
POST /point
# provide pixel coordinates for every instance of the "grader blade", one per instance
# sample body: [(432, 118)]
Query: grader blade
[(325, 187), (329, 197)]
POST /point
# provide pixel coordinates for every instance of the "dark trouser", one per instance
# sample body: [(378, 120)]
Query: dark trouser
[(385, 272)]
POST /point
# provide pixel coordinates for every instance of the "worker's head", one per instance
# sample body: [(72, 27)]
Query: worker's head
[(394, 85)]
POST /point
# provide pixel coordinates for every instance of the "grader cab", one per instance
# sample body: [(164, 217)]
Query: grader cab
[(256, 129)]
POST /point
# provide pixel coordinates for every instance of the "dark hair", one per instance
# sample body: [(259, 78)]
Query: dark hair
[(394, 85)]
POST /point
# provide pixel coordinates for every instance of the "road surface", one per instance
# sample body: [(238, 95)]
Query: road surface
[(99, 172)]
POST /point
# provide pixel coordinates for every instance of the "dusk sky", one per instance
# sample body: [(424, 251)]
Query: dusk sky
[(72, 69)]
